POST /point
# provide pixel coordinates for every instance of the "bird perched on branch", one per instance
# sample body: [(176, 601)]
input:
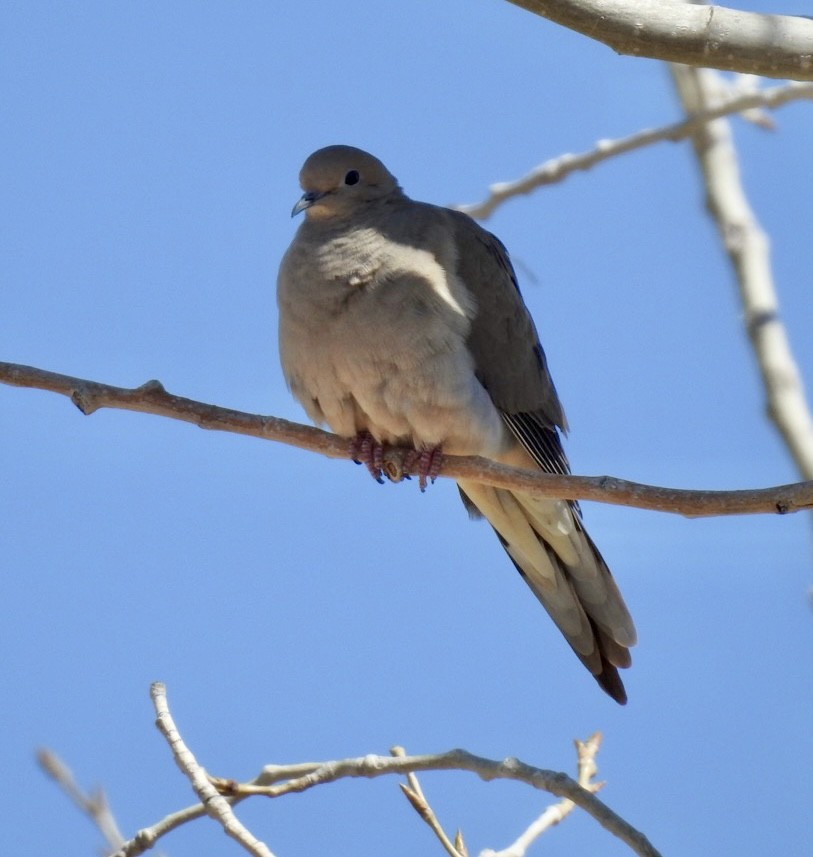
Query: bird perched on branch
[(401, 324)]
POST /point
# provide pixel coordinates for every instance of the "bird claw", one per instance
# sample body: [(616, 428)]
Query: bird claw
[(365, 450), (427, 464)]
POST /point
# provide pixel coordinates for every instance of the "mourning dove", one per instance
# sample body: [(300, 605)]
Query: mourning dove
[(401, 323)]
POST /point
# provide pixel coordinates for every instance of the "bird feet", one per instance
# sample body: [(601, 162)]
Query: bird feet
[(428, 463), (364, 449)]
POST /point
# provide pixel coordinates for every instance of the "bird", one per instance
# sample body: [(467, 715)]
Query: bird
[(401, 324)]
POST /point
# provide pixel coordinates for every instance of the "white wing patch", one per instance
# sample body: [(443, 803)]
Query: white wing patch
[(444, 283)]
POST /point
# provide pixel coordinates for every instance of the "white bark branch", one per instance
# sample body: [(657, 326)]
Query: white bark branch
[(218, 795), (748, 249), (711, 36), (557, 812), (152, 398), (559, 168), (413, 792), (216, 806), (371, 766)]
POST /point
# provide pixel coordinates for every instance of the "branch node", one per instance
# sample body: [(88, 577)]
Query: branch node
[(84, 400), (151, 387), (227, 787)]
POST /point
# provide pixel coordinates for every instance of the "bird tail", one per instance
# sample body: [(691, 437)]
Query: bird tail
[(560, 563)]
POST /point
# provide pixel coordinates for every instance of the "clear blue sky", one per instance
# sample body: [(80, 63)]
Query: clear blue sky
[(148, 163)]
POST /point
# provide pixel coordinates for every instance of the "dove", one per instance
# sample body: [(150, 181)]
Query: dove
[(401, 324)]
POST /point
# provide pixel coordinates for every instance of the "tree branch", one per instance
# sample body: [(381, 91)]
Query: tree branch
[(557, 812), (215, 804), (559, 168), (413, 792), (94, 805), (152, 398), (711, 36), (371, 766), (277, 780), (748, 249)]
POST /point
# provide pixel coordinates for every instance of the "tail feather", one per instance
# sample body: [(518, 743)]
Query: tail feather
[(560, 563), (610, 681), (536, 561)]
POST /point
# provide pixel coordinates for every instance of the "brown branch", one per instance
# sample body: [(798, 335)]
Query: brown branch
[(711, 36), (152, 398)]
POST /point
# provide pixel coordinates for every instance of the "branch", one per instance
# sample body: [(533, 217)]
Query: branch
[(748, 249), (414, 794), (371, 766), (95, 805), (556, 813), (152, 398), (215, 804), (711, 36), (218, 795), (146, 838), (559, 168), (553, 815)]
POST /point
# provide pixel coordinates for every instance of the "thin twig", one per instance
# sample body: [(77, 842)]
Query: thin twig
[(559, 168), (414, 794), (217, 807), (94, 805), (748, 249), (586, 758), (145, 839), (152, 398)]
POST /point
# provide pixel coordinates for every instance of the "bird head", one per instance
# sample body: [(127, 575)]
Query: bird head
[(337, 180)]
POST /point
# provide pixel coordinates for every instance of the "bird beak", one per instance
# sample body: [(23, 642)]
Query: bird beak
[(306, 201)]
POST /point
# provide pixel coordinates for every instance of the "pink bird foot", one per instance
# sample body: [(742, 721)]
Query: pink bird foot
[(426, 462), (364, 449)]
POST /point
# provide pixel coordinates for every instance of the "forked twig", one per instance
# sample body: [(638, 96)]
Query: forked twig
[(414, 794)]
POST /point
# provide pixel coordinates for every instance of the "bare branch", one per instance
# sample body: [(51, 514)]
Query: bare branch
[(146, 838), (559, 168), (152, 398), (748, 249), (95, 805), (414, 794), (586, 752), (711, 36), (277, 780), (372, 766), (216, 805)]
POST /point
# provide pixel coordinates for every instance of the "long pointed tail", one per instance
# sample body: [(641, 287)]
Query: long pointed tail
[(558, 560)]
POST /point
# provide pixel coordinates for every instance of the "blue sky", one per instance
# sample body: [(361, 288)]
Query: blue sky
[(296, 610)]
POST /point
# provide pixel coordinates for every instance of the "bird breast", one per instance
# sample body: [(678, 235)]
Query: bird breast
[(374, 339)]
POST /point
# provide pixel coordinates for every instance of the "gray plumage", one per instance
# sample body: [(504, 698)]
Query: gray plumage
[(404, 320)]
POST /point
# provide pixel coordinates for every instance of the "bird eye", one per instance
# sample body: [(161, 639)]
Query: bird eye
[(352, 177)]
